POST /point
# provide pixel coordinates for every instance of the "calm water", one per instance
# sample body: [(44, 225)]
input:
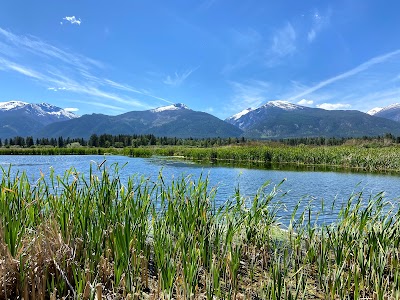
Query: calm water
[(332, 187)]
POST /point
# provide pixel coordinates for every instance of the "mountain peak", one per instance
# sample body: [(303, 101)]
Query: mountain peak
[(392, 106), (240, 114), (283, 105), (391, 112), (10, 105), (175, 106), (45, 111)]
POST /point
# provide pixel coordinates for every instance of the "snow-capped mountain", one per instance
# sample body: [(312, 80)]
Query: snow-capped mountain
[(175, 106), (282, 119), (239, 115), (44, 112), (374, 111), (248, 117), (285, 105), (391, 112), (45, 109), (18, 118), (12, 105)]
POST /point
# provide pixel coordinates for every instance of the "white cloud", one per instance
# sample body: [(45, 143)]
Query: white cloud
[(305, 102), (333, 106), (177, 79), (71, 109), (72, 20)]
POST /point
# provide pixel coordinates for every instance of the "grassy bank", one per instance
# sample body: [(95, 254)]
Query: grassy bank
[(373, 159), (87, 235)]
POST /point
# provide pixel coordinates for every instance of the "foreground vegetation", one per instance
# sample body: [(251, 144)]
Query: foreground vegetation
[(91, 235)]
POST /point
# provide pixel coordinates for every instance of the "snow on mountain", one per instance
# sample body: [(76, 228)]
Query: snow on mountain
[(374, 111), (283, 105), (391, 112), (41, 110), (239, 115), (249, 117), (175, 106), (10, 105), (394, 106), (44, 109)]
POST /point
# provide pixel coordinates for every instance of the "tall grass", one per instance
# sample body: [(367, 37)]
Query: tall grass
[(84, 236), (348, 157), (380, 159)]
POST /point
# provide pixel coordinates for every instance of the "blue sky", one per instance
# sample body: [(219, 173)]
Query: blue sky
[(216, 56)]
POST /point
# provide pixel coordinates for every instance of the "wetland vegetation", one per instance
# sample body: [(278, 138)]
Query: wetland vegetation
[(357, 157), (90, 235), (84, 236)]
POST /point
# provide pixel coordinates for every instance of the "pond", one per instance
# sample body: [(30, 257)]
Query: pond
[(310, 186)]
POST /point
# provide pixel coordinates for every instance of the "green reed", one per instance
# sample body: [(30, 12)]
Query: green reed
[(77, 235), (381, 159)]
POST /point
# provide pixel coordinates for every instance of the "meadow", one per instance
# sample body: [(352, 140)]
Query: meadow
[(93, 236)]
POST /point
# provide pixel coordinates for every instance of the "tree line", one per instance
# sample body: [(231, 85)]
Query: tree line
[(119, 141), (135, 141)]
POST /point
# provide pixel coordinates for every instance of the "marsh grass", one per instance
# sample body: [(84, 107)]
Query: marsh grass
[(381, 159), (85, 236), (344, 157)]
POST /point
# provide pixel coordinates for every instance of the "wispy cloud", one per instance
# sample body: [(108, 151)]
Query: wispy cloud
[(283, 44), (248, 94), (333, 106), (25, 45), (56, 89), (60, 70), (72, 20), (360, 68), (102, 105), (319, 21), (177, 79)]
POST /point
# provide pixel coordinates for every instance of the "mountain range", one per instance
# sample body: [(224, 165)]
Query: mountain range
[(175, 120), (275, 119), (19, 118), (281, 119)]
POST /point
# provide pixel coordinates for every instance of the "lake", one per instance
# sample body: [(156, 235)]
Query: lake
[(333, 188)]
